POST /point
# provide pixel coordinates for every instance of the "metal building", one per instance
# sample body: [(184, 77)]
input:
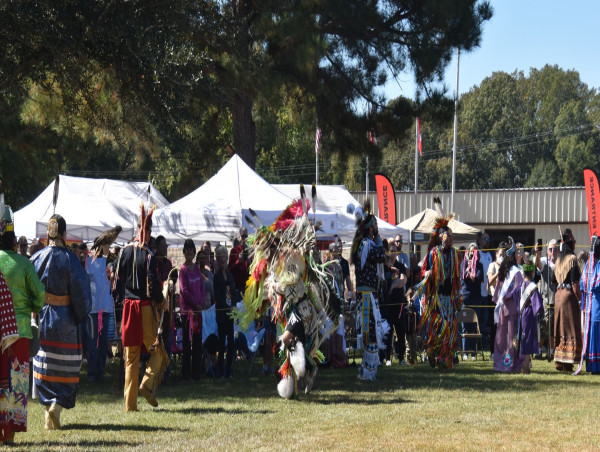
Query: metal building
[(527, 214)]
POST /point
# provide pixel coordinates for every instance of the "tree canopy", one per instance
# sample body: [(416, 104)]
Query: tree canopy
[(170, 88), (514, 130)]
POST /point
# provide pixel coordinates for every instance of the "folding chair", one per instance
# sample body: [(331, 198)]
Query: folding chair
[(469, 316)]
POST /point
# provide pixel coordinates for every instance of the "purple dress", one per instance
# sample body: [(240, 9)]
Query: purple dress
[(505, 354), (529, 326)]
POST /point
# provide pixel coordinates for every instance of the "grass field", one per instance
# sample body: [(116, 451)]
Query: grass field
[(407, 408)]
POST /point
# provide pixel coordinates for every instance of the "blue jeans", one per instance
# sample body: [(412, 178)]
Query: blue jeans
[(96, 349)]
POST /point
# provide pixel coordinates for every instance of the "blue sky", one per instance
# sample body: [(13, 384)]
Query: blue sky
[(523, 34)]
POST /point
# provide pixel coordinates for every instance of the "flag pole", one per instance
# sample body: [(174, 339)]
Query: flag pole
[(455, 133), (416, 164), (317, 145)]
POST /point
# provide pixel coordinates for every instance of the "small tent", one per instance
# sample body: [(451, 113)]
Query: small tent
[(421, 226), (89, 206), (336, 199), (216, 210)]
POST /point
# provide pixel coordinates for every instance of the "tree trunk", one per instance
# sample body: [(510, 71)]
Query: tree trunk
[(244, 129)]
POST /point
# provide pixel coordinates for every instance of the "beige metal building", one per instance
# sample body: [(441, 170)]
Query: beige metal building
[(525, 214)]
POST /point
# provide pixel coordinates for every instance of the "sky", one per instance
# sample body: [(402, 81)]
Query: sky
[(524, 34)]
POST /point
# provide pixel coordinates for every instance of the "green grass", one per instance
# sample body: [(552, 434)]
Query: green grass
[(407, 408)]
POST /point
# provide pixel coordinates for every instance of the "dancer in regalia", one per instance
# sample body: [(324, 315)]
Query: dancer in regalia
[(143, 312), (568, 340), (590, 304), (285, 276), (368, 257), (441, 294), (57, 364)]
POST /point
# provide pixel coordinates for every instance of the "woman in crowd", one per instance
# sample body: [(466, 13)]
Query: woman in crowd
[(471, 275), (394, 304), (568, 341), (506, 315), (530, 306), (492, 275), (224, 287), (191, 303)]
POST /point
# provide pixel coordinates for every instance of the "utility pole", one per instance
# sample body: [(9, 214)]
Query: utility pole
[(455, 133)]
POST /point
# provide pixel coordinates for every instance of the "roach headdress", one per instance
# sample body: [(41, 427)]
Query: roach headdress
[(145, 221), (441, 223)]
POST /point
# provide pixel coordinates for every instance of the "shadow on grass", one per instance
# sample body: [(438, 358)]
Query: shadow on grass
[(121, 427), (66, 445), (220, 410), (334, 386)]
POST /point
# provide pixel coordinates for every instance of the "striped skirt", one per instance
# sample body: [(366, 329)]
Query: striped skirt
[(57, 364)]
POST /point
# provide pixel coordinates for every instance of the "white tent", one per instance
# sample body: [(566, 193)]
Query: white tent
[(336, 199), (216, 210), (89, 206)]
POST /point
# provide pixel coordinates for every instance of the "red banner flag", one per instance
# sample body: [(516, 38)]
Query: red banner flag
[(592, 194), (419, 136), (317, 140), (386, 199), (372, 138)]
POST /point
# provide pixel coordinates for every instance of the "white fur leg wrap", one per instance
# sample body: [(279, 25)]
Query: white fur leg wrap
[(298, 360), (286, 387)]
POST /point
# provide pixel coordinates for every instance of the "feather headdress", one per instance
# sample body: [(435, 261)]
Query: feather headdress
[(296, 209), (145, 220), (364, 220), (441, 222)]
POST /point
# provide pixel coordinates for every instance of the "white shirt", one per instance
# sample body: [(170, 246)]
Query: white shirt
[(485, 257)]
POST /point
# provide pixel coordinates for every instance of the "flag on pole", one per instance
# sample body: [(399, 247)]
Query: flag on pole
[(372, 138), (317, 140), (419, 136)]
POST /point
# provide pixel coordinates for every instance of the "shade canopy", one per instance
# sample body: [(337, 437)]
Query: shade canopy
[(421, 226)]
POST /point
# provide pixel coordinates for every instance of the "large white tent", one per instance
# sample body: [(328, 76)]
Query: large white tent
[(216, 210), (89, 207), (336, 199)]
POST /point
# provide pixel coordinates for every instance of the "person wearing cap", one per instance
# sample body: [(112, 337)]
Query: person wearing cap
[(68, 300), (25, 296), (22, 246)]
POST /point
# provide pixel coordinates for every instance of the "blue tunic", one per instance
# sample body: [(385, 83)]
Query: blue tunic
[(57, 364), (592, 352)]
